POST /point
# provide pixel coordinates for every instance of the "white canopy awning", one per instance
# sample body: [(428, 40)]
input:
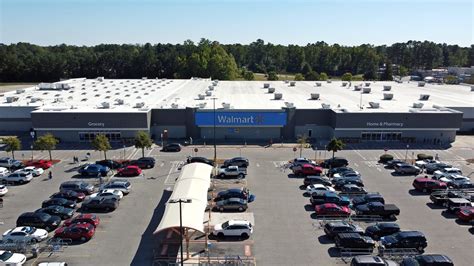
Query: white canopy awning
[(193, 183)]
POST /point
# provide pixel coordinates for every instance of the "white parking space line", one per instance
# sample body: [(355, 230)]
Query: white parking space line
[(173, 173), (150, 151), (258, 165), (358, 153), (356, 165)]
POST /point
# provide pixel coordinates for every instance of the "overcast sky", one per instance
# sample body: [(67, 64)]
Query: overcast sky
[(350, 22)]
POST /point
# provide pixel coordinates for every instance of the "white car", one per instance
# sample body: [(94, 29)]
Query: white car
[(454, 178), (18, 177), (348, 174), (423, 163), (447, 171), (4, 172), (52, 264), (121, 185), (241, 228), (318, 187), (25, 234), (108, 193), (3, 190), (11, 259), (31, 169)]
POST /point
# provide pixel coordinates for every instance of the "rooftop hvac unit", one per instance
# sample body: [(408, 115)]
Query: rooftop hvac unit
[(19, 91), (100, 79), (11, 99), (325, 106), (202, 105), (33, 100), (211, 88), (472, 88), (329, 81), (293, 83), (208, 93), (357, 87), (387, 88), (214, 83), (318, 84), (201, 96), (278, 96), (287, 81), (174, 106), (266, 85), (289, 104), (366, 90), (421, 84), (344, 84), (144, 78), (424, 97), (314, 96), (271, 90), (139, 104), (374, 105), (418, 105), (119, 101), (367, 84), (388, 96), (226, 105), (105, 105)]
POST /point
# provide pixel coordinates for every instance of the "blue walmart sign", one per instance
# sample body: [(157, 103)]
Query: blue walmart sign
[(241, 118)]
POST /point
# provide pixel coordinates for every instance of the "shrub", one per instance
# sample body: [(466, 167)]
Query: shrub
[(385, 158), (422, 156)]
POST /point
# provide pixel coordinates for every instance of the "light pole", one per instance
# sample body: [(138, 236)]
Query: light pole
[(181, 222), (360, 104), (406, 154), (31, 147), (214, 131)]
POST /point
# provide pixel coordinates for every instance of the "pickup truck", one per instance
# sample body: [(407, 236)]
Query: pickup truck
[(441, 197), (378, 209), (307, 169), (232, 171)]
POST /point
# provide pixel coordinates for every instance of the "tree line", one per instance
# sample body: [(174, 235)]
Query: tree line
[(24, 62)]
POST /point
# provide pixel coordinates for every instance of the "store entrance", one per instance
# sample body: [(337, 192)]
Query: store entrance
[(381, 136)]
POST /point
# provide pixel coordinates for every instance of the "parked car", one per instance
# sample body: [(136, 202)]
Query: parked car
[(378, 209), (99, 203), (461, 183), (352, 189), (25, 234), (379, 230), (4, 172), (199, 160), (331, 209), (346, 181), (371, 197), (62, 212), (3, 190), (77, 186), (176, 147), (455, 204), (144, 162), (108, 194), (369, 260), (454, 178), (307, 169), (432, 167), (441, 197), (354, 241), (331, 229), (69, 195), (231, 204), (316, 179), (427, 184), (18, 177), (129, 171), (404, 239), (347, 174), (83, 218), (318, 187), (110, 164), (9, 258), (43, 164), (240, 228), (301, 161), (31, 169), (59, 202), (438, 174), (241, 193), (339, 170), (121, 185), (321, 197), (466, 214), (407, 169), (334, 162), (427, 260), (237, 161), (424, 163), (94, 170), (10, 163), (232, 172), (341, 178), (391, 164), (39, 220), (77, 231)]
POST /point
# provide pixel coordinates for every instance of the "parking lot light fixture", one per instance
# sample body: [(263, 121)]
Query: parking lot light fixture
[(180, 201), (406, 154)]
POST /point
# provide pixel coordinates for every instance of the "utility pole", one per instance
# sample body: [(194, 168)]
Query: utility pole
[(180, 201)]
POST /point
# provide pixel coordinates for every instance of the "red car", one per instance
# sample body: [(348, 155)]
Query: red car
[(129, 170), (307, 169), (331, 209), (83, 218), (466, 214), (69, 195), (427, 184), (82, 232), (44, 164)]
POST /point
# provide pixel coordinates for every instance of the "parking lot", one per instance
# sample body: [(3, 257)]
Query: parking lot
[(285, 230)]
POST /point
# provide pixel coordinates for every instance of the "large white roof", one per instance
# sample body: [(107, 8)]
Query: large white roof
[(141, 95)]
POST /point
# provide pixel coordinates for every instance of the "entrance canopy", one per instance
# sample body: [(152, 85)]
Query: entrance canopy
[(192, 184)]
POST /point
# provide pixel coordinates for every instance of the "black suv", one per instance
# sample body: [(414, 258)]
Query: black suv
[(77, 186), (172, 147), (199, 160), (110, 164), (335, 162), (40, 220), (334, 228), (354, 241), (237, 161), (428, 260), (379, 230), (97, 203), (371, 197), (144, 162), (314, 179), (404, 239), (339, 170)]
